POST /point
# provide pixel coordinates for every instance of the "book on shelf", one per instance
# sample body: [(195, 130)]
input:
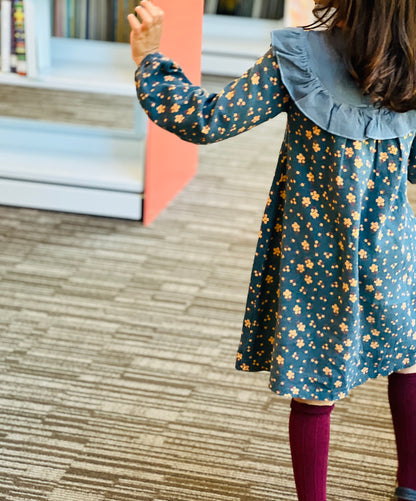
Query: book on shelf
[(24, 38), (268, 9), (6, 35), (19, 36), (92, 19)]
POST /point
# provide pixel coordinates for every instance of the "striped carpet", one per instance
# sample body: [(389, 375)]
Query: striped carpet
[(117, 355)]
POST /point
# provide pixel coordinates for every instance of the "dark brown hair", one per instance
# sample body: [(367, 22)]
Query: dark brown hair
[(380, 46)]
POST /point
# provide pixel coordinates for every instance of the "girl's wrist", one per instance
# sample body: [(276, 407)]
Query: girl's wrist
[(139, 61)]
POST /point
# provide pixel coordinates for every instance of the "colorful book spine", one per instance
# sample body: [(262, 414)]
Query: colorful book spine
[(19, 36)]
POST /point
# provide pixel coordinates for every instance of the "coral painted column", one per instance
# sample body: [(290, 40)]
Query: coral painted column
[(170, 162), (298, 12)]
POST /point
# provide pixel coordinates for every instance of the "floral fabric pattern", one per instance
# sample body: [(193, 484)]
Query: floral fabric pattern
[(332, 296)]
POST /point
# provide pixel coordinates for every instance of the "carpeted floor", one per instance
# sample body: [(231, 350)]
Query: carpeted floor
[(117, 352)]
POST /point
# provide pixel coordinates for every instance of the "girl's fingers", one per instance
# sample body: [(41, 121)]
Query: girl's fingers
[(152, 8), (145, 16), (134, 22)]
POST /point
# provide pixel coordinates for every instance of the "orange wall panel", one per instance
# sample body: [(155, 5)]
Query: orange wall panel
[(298, 12), (171, 162)]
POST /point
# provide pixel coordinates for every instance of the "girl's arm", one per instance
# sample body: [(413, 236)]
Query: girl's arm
[(172, 102)]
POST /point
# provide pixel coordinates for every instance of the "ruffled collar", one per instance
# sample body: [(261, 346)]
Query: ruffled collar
[(314, 74)]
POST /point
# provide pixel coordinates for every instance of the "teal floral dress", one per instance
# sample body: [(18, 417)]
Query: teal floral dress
[(332, 297)]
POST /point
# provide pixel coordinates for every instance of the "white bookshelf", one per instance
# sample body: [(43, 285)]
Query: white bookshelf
[(89, 170), (232, 44)]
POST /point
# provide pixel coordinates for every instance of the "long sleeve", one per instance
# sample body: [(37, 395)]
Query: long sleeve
[(412, 163), (172, 102)]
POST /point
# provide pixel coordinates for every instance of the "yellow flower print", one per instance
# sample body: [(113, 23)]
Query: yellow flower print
[(393, 150), (266, 219), (349, 152), (269, 279), (300, 268), (161, 108), (296, 227), (306, 201), (297, 310), (344, 327), (190, 110), (179, 119), (230, 95), (358, 145), (287, 294), (314, 213), (308, 134), (358, 163), (380, 202), (280, 360), (290, 375), (311, 177), (335, 309), (301, 158), (300, 343), (247, 323), (339, 181), (255, 79), (339, 348), (316, 147), (316, 130), (383, 156), (374, 226), (174, 108), (392, 167), (292, 334), (327, 371), (205, 129), (351, 198), (315, 195)]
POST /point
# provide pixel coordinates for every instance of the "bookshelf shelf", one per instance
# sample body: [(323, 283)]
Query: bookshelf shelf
[(66, 159), (83, 66), (131, 174)]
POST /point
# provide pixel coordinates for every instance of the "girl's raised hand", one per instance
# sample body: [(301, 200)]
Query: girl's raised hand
[(145, 35)]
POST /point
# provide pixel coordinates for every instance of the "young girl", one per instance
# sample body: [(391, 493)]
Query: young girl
[(332, 299)]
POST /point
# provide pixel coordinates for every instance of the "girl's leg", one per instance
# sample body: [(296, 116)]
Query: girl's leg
[(402, 398), (309, 428)]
